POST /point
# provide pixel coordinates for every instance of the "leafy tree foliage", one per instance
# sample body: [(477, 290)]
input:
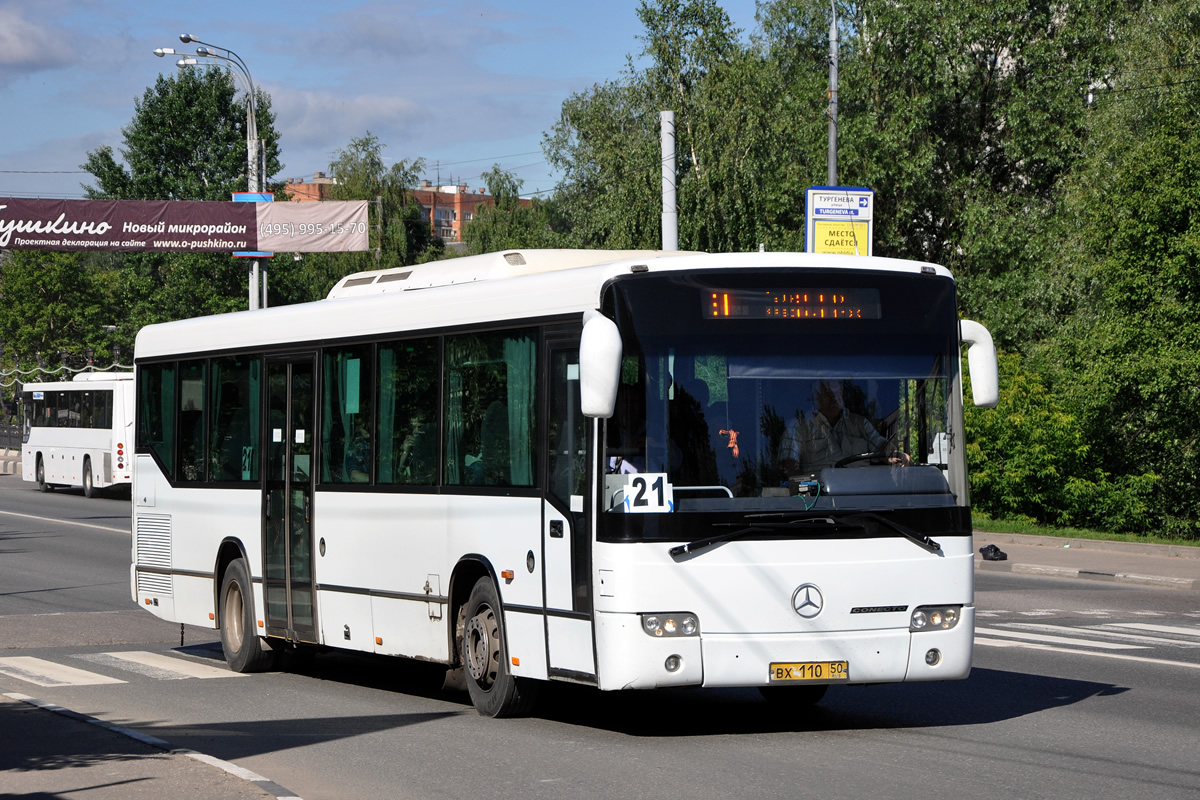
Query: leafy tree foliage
[(509, 223), (187, 141), (52, 302), (1127, 360), (1029, 458)]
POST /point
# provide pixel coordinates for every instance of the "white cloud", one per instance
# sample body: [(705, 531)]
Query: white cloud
[(26, 46)]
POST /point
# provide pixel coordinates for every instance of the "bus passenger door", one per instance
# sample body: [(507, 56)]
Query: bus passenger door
[(566, 537), (287, 500)]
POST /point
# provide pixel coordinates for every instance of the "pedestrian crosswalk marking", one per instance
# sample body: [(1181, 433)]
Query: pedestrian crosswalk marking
[(158, 666), (1041, 637), (1146, 626), (1102, 631), (47, 673), (1052, 649)]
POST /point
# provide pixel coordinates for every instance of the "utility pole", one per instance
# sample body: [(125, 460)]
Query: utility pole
[(670, 215), (833, 89)]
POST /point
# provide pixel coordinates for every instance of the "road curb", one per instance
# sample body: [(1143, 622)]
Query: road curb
[(1102, 545), (266, 785), (1088, 574)]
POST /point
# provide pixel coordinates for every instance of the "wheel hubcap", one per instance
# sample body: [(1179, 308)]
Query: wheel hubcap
[(233, 608), (483, 647)]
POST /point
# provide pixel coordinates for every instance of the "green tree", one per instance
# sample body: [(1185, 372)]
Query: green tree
[(1029, 459), (187, 141), (1128, 361), (52, 302), (510, 223)]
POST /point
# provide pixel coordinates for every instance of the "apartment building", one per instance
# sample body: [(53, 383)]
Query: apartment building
[(448, 208)]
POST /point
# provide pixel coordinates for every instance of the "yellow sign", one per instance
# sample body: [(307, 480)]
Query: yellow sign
[(847, 237)]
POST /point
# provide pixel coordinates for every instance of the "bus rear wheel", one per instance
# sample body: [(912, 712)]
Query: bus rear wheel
[(89, 490), (245, 651), (41, 476), (494, 691)]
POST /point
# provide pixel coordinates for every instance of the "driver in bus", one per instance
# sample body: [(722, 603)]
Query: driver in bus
[(833, 433)]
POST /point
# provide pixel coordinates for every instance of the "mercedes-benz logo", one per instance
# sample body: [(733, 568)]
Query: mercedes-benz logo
[(807, 600)]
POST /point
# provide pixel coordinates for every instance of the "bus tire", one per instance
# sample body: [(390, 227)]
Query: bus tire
[(245, 651), (41, 476), (89, 490), (494, 691)]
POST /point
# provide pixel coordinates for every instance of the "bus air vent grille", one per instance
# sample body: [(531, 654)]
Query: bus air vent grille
[(154, 540), (149, 583)]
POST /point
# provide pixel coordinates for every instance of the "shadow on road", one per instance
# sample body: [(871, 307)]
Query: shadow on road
[(987, 696)]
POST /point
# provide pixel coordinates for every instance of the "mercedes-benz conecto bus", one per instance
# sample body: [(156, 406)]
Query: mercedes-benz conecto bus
[(622, 469), (79, 432)]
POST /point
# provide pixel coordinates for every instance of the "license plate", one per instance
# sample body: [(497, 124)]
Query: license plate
[(810, 671)]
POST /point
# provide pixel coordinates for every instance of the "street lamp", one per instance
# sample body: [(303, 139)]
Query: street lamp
[(211, 55)]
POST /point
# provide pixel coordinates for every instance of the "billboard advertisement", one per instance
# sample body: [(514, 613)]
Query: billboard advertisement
[(183, 226)]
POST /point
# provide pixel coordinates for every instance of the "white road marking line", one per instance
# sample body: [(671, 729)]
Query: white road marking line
[(47, 673), (160, 666), (1098, 630), (1146, 626), (1093, 653), (65, 522), (1039, 637)]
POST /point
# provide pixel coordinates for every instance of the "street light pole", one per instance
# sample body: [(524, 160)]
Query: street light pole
[(207, 55)]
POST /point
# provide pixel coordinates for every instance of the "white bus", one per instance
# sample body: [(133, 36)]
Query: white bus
[(595, 467), (79, 432)]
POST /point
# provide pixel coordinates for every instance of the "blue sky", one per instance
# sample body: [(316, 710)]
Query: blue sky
[(464, 84)]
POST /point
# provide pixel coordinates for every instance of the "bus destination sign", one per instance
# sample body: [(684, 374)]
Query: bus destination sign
[(817, 304)]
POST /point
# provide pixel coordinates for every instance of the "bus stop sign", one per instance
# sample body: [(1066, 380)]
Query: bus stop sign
[(839, 219)]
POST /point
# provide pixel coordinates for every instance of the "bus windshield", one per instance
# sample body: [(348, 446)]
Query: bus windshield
[(794, 391)]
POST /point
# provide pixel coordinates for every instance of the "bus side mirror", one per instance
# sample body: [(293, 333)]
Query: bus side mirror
[(981, 362), (599, 365)]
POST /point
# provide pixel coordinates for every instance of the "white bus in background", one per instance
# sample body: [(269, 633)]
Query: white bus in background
[(575, 466), (79, 432)]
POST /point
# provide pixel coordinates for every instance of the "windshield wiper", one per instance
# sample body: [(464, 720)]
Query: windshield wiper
[(917, 538), (761, 527)]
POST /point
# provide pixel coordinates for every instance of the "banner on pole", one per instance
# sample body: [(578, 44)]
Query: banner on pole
[(179, 226)]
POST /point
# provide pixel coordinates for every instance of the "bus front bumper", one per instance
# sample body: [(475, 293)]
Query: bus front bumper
[(634, 660)]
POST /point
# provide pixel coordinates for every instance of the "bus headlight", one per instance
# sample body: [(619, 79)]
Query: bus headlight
[(682, 624), (934, 618)]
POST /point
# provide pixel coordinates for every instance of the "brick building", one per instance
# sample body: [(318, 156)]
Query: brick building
[(448, 208)]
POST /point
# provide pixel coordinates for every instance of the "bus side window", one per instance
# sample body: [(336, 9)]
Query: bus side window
[(156, 413), (408, 413), (191, 421)]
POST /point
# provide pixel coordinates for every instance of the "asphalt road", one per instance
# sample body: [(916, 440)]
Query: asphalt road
[(1080, 689)]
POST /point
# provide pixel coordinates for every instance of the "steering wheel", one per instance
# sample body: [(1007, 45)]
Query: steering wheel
[(848, 460)]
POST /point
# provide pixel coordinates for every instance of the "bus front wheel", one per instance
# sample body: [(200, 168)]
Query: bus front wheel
[(41, 477), (494, 691), (245, 651)]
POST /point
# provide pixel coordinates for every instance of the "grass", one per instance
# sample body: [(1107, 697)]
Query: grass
[(982, 522)]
